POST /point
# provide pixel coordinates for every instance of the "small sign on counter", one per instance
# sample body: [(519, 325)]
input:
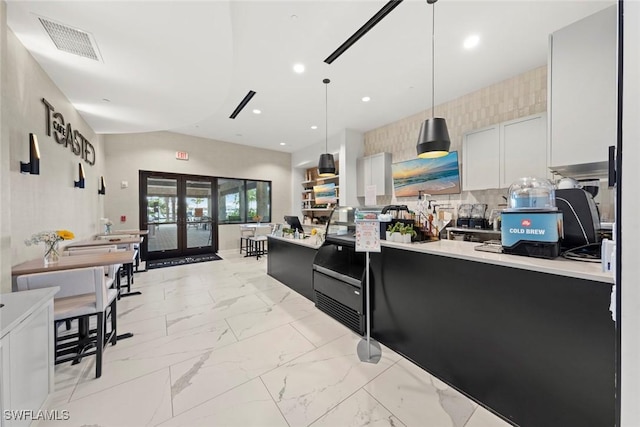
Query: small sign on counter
[(367, 236)]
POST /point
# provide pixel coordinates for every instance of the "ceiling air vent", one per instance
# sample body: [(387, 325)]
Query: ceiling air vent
[(71, 40)]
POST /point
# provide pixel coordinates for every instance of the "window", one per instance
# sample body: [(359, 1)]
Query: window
[(241, 200), (258, 201)]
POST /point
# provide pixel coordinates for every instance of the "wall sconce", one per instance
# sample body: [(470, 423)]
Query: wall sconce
[(33, 167), (80, 182), (102, 188)]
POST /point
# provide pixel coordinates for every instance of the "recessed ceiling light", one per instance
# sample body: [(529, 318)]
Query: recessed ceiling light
[(298, 68), (314, 127), (283, 143), (366, 99), (238, 134), (256, 111), (106, 100), (294, 17), (471, 41)]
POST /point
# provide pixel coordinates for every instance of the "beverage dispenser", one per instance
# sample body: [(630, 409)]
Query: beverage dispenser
[(532, 224)]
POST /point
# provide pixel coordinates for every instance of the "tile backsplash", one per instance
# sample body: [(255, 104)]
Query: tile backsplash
[(519, 96)]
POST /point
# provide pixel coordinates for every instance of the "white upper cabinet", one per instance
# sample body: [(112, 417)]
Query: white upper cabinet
[(496, 156), (583, 89), (523, 149), (374, 170), (481, 159)]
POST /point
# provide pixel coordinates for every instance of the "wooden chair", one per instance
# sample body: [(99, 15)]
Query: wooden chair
[(83, 294)]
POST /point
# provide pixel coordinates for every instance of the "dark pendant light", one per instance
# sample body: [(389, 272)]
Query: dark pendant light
[(326, 164), (434, 136)]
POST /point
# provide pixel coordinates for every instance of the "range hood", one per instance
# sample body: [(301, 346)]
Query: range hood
[(595, 170)]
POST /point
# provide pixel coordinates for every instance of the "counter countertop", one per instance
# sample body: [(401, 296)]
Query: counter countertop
[(465, 250), (309, 242), (19, 305)]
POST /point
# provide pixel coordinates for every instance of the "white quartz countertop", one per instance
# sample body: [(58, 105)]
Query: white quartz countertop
[(310, 242), (466, 250), (19, 305)]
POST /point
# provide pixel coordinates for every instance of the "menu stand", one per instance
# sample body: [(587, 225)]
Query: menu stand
[(367, 240)]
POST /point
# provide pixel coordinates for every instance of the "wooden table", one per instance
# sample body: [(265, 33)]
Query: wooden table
[(98, 241), (124, 232), (71, 262), (106, 242)]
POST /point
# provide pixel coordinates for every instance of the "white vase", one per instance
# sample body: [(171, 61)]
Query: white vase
[(396, 237), (389, 236), (406, 238)]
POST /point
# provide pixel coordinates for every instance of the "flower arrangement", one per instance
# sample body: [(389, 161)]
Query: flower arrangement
[(50, 240), (49, 237), (107, 225), (257, 218)]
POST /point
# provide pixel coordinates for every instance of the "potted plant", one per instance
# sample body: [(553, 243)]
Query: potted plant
[(393, 232), (407, 232), (288, 232)]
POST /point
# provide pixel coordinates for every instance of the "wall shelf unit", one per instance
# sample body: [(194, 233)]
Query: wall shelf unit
[(317, 213)]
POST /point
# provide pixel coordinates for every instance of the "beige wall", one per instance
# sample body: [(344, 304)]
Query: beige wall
[(47, 201), (5, 217), (129, 153)]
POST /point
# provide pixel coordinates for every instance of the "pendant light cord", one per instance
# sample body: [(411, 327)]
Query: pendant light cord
[(433, 59), (326, 116)]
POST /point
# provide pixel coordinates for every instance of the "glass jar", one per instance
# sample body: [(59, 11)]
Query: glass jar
[(530, 193)]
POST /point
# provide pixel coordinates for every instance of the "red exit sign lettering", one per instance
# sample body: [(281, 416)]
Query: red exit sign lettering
[(182, 155)]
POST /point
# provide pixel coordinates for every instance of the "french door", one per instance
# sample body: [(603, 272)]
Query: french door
[(179, 211)]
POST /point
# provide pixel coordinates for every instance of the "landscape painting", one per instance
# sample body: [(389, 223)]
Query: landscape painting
[(431, 176), (325, 193)]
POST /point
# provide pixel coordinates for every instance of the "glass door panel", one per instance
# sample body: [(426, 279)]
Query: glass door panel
[(199, 204), (162, 214)]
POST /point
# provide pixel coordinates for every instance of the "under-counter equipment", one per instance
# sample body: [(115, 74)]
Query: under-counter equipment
[(339, 272)]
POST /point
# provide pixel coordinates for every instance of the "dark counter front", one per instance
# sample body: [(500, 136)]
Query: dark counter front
[(291, 264), (536, 348)]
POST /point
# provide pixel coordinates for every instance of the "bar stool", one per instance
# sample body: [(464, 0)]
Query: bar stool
[(257, 242), (246, 231)]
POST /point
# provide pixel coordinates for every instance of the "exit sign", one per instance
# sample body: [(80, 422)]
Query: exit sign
[(182, 155)]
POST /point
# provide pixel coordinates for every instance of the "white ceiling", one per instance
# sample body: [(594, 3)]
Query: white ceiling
[(184, 66)]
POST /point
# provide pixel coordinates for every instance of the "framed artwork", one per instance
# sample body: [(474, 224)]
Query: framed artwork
[(431, 176)]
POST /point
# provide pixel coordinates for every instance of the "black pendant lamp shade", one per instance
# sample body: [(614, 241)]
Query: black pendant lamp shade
[(434, 138), (326, 164)]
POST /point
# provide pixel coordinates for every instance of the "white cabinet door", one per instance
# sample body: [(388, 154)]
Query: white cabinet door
[(481, 159), (374, 170), (583, 89), (523, 148), (5, 378), (361, 175), (381, 173), (29, 350)]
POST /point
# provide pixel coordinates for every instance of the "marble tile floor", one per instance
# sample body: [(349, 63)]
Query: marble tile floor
[(223, 344)]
